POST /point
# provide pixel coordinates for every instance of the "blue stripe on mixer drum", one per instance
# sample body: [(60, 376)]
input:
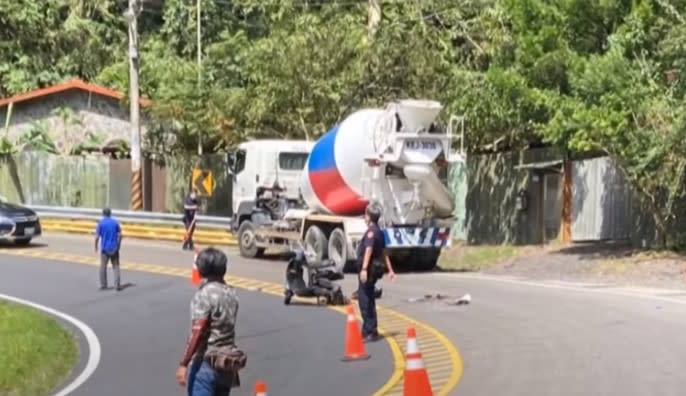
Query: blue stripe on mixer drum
[(328, 183), (322, 155), (397, 237)]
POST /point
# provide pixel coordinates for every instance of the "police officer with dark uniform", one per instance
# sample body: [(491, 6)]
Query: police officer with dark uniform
[(214, 308), (371, 260), (190, 209)]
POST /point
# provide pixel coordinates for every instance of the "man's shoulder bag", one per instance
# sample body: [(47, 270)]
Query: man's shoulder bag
[(228, 361)]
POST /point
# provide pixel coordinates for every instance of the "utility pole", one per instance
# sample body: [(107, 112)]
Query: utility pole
[(134, 97), (199, 45)]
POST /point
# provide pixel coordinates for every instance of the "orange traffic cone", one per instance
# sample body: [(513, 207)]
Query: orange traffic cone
[(354, 346), (195, 274), (260, 388), (416, 381)]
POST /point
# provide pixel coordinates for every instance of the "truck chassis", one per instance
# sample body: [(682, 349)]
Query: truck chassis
[(337, 238)]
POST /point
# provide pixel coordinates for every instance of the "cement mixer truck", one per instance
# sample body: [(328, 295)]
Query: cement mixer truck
[(315, 193)]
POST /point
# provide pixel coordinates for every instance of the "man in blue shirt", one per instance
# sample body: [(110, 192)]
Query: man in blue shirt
[(108, 235)]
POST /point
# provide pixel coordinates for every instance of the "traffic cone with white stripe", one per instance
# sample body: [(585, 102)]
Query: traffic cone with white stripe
[(195, 274), (260, 388), (354, 345), (416, 381)]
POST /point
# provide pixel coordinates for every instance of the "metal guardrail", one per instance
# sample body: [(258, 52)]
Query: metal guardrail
[(126, 216), (210, 230)]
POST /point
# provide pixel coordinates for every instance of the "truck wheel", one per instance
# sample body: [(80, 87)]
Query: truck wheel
[(315, 242), (338, 249), (246, 240)]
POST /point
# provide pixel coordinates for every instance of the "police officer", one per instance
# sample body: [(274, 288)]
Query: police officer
[(371, 258), (213, 319), (190, 208)]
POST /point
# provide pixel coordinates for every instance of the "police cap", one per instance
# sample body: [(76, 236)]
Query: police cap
[(212, 263)]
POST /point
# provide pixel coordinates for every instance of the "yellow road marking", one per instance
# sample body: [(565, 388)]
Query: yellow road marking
[(441, 358)]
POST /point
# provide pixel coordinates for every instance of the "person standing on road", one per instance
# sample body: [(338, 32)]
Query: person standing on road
[(211, 343), (190, 208), (370, 267), (108, 237)]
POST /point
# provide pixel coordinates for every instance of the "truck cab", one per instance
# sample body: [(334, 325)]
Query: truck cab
[(263, 170)]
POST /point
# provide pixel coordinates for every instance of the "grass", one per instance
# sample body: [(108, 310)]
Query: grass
[(36, 353), (473, 258)]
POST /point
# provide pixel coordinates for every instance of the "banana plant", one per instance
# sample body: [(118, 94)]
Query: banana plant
[(37, 138)]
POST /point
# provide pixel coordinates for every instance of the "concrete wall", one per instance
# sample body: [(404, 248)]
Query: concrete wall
[(104, 118)]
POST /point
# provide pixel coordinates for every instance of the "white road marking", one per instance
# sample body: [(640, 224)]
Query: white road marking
[(636, 292), (94, 350)]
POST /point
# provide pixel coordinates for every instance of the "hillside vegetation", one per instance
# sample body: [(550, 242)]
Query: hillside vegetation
[(603, 76)]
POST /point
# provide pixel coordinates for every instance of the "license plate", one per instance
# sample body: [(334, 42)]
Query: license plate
[(421, 144), (29, 231)]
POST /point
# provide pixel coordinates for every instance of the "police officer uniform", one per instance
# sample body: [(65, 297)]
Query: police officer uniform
[(190, 208), (366, 295)]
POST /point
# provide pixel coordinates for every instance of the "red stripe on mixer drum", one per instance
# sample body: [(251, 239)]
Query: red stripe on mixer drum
[(334, 193)]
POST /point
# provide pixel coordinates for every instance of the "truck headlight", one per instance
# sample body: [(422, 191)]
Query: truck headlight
[(6, 220)]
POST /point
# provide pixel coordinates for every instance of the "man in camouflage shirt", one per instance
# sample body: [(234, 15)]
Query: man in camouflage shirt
[(213, 319)]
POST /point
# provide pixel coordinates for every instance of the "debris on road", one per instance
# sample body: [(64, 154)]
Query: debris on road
[(464, 300), (452, 300)]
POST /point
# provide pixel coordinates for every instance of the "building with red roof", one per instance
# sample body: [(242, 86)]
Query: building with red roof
[(72, 113)]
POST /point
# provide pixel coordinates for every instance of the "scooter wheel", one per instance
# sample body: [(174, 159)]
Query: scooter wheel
[(322, 300), (287, 298)]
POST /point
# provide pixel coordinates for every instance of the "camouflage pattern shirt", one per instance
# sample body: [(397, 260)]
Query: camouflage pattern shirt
[(217, 302)]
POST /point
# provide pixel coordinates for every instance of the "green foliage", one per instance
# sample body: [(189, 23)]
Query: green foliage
[(37, 138), (584, 75)]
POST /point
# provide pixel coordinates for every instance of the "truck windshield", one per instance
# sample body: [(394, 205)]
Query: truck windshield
[(292, 161)]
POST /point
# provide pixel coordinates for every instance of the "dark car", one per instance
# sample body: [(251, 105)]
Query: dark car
[(18, 223)]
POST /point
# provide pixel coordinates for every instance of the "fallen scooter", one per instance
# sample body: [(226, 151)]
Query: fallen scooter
[(321, 277)]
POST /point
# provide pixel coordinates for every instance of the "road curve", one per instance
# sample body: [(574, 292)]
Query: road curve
[(296, 350), (441, 357), (86, 336), (518, 338)]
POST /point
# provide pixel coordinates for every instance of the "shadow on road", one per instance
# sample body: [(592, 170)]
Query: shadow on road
[(11, 245), (275, 256), (598, 250), (127, 285)]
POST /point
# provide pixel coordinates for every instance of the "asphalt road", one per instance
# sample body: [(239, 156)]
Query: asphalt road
[(142, 331), (515, 338)]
